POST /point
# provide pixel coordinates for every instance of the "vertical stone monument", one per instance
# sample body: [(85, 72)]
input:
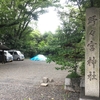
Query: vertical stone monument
[(92, 53)]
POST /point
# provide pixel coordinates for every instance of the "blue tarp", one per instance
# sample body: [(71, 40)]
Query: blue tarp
[(39, 57)]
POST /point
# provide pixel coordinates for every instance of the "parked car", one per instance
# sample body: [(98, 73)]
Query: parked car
[(17, 55), (5, 56), (9, 57)]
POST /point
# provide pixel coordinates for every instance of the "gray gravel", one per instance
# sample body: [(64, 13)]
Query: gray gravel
[(21, 80)]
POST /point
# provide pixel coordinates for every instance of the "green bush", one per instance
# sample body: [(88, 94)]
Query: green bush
[(82, 68), (73, 75)]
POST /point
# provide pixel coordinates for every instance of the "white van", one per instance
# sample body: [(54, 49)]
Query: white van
[(8, 56), (17, 55)]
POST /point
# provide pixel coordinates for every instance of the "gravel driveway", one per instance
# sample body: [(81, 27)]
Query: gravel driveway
[(21, 80)]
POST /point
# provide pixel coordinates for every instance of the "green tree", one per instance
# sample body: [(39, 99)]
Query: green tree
[(67, 46), (15, 16), (46, 38), (16, 11)]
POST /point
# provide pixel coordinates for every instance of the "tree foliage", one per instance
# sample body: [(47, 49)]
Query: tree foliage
[(67, 45), (15, 16), (21, 11)]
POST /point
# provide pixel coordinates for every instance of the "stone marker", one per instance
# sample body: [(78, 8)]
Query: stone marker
[(92, 53)]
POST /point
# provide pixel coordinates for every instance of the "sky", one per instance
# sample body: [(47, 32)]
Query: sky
[(48, 22)]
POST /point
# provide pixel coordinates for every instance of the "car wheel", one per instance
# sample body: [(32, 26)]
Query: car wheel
[(18, 59)]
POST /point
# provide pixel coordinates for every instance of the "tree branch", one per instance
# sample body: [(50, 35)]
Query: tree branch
[(8, 25)]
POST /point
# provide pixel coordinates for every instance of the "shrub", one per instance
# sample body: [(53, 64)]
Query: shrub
[(73, 75)]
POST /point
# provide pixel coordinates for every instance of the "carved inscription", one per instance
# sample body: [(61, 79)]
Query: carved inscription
[(91, 61), (92, 76), (92, 45), (92, 32), (92, 20)]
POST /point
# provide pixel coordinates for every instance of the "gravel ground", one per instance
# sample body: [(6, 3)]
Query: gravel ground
[(21, 80)]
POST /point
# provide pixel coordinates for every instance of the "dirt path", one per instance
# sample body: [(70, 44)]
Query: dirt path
[(30, 71), (20, 80)]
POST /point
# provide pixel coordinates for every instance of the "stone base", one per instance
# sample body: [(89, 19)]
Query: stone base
[(83, 97), (72, 84)]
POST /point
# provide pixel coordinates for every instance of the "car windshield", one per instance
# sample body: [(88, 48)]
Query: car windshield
[(5, 53), (19, 52)]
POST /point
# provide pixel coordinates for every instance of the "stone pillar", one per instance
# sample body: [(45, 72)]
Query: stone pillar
[(92, 53)]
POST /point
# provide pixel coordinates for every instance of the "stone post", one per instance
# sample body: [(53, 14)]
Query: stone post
[(92, 53)]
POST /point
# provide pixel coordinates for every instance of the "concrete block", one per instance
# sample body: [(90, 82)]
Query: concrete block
[(68, 88), (67, 81), (82, 82)]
